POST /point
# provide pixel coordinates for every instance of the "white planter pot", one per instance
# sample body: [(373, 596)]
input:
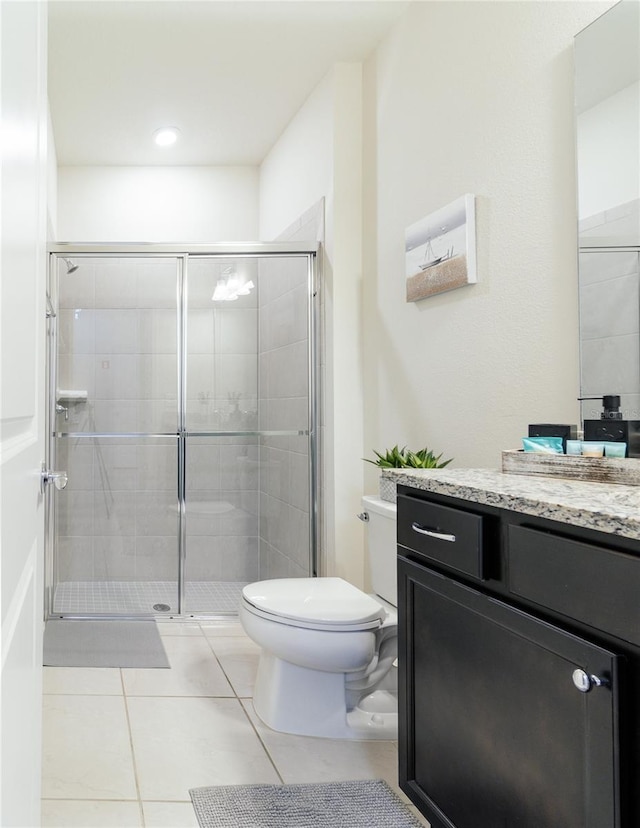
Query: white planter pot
[(388, 489)]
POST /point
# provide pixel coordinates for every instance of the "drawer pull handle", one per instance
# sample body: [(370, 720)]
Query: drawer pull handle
[(438, 535)]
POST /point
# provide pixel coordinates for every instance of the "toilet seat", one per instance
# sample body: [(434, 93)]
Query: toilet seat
[(329, 604)]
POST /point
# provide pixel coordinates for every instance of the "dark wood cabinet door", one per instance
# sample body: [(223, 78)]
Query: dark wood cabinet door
[(494, 732)]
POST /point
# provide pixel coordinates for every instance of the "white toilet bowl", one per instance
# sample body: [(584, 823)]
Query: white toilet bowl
[(326, 667), (328, 649)]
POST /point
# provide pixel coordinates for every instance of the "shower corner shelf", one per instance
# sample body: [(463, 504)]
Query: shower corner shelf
[(71, 395)]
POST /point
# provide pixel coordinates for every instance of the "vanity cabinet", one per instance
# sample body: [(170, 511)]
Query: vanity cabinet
[(519, 664)]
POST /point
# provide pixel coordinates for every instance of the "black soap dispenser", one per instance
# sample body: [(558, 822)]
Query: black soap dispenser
[(611, 428)]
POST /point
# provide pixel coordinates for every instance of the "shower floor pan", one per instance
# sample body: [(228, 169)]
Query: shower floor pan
[(132, 597)]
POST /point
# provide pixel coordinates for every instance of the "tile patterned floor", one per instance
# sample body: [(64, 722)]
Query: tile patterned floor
[(131, 597), (122, 747)]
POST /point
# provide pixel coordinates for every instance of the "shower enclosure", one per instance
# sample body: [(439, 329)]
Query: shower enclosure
[(183, 406)]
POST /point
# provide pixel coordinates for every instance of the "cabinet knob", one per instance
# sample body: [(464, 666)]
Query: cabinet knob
[(584, 682)]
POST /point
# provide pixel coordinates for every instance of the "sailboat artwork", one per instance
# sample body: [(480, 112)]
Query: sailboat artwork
[(440, 250), (430, 259)]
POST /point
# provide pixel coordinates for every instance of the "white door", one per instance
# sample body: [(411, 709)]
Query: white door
[(23, 115)]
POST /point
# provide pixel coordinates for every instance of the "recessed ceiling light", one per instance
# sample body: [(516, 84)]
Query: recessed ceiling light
[(166, 136)]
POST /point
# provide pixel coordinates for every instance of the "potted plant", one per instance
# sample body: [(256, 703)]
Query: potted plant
[(404, 458)]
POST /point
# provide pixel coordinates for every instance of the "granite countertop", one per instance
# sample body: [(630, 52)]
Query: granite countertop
[(602, 506)]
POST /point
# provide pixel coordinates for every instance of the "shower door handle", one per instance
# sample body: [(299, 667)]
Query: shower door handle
[(47, 477)]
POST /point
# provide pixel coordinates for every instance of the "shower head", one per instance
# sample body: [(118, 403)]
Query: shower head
[(71, 266)]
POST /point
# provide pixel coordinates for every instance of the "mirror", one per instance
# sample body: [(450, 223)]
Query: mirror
[(607, 101)]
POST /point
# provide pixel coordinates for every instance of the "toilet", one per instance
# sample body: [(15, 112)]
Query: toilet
[(328, 649)]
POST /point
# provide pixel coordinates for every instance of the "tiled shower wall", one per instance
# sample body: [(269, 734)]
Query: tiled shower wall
[(284, 405), (283, 367), (610, 311)]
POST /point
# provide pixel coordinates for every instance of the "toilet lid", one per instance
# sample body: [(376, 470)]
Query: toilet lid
[(329, 601)]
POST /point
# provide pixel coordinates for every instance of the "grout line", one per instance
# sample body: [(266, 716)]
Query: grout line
[(242, 707), (224, 672), (266, 749), (133, 753), (180, 696), (72, 799)]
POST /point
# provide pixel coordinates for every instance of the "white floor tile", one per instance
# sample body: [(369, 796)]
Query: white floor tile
[(67, 813), (307, 759), (187, 731), (169, 815), (194, 672), (174, 627), (78, 681), (225, 628), (182, 743), (86, 749), (239, 657)]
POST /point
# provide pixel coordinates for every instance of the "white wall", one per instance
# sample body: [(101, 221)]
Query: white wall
[(608, 158), (343, 322), (52, 181), (473, 97), (298, 171), (319, 157), (158, 204)]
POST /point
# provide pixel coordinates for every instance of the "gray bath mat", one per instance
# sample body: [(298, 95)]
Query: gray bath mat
[(70, 643), (368, 803)]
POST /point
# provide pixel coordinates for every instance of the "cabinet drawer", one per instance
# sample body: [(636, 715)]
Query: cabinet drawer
[(449, 536), (591, 584)]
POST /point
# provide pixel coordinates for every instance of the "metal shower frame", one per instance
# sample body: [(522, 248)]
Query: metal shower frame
[(182, 254)]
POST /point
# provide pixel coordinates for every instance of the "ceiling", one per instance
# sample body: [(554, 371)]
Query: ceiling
[(607, 55), (229, 75)]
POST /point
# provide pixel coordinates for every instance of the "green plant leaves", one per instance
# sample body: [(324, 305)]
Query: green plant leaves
[(404, 458)]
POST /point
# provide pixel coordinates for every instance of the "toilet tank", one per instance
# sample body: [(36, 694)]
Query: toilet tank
[(381, 546)]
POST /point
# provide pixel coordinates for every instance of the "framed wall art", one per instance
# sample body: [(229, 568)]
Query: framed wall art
[(440, 250)]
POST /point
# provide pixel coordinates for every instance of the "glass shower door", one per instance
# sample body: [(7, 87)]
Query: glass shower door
[(247, 425), (115, 430), (180, 406)]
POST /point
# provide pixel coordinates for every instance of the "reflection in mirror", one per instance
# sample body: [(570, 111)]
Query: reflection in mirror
[(607, 94)]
